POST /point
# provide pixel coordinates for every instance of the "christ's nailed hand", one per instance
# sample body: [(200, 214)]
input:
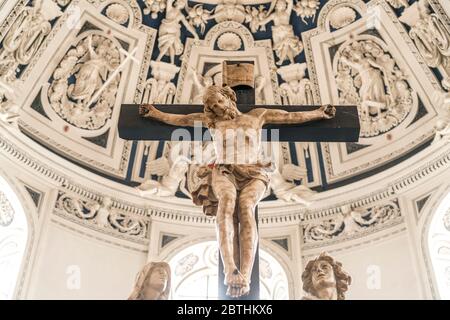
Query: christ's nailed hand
[(146, 110), (328, 111)]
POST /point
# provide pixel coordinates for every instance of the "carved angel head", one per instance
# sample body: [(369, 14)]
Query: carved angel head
[(281, 5), (324, 272), (153, 282)]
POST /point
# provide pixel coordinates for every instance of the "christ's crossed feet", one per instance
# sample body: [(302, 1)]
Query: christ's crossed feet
[(237, 284)]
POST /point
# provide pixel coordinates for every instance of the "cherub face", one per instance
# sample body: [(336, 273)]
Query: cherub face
[(180, 4), (323, 275), (281, 5)]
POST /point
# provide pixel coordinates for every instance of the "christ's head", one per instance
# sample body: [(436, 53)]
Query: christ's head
[(220, 104)]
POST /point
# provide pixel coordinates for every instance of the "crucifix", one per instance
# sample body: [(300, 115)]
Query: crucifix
[(234, 183)]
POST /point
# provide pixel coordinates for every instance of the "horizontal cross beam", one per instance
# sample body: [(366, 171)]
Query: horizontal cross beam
[(344, 127)]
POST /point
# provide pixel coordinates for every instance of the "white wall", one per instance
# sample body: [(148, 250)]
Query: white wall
[(391, 259), (107, 271)]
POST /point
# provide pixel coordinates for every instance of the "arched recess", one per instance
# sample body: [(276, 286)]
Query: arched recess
[(17, 235), (195, 266), (437, 246)]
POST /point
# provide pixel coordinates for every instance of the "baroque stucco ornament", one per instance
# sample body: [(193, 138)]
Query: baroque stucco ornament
[(442, 102), (169, 33), (101, 214), (6, 211), (186, 264), (285, 43), (350, 222), (368, 76), (229, 41), (296, 90), (430, 36), (172, 172), (342, 17), (90, 62), (117, 13), (20, 44), (159, 88)]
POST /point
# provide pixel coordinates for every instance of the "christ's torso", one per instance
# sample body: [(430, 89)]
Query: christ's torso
[(238, 140)]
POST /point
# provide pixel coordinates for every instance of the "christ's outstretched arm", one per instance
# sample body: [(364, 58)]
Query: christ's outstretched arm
[(182, 120), (277, 116)]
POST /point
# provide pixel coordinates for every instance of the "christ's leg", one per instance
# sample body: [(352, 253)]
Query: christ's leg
[(225, 192), (248, 200)]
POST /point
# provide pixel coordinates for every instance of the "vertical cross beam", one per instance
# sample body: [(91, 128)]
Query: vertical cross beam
[(243, 86)]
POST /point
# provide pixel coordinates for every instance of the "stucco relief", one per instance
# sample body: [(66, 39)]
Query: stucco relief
[(91, 62), (368, 76)]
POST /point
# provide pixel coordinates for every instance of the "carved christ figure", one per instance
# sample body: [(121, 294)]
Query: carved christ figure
[(233, 185)]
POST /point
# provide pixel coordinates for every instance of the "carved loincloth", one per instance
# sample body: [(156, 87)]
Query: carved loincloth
[(240, 175)]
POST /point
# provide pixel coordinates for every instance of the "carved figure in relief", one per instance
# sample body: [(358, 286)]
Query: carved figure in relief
[(441, 101), (103, 212), (430, 36), (27, 34), (285, 43), (169, 37), (91, 61), (200, 84), (368, 76), (297, 92), (372, 87), (171, 169), (89, 74)]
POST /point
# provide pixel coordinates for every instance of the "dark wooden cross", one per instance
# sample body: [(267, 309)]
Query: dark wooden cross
[(343, 128)]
